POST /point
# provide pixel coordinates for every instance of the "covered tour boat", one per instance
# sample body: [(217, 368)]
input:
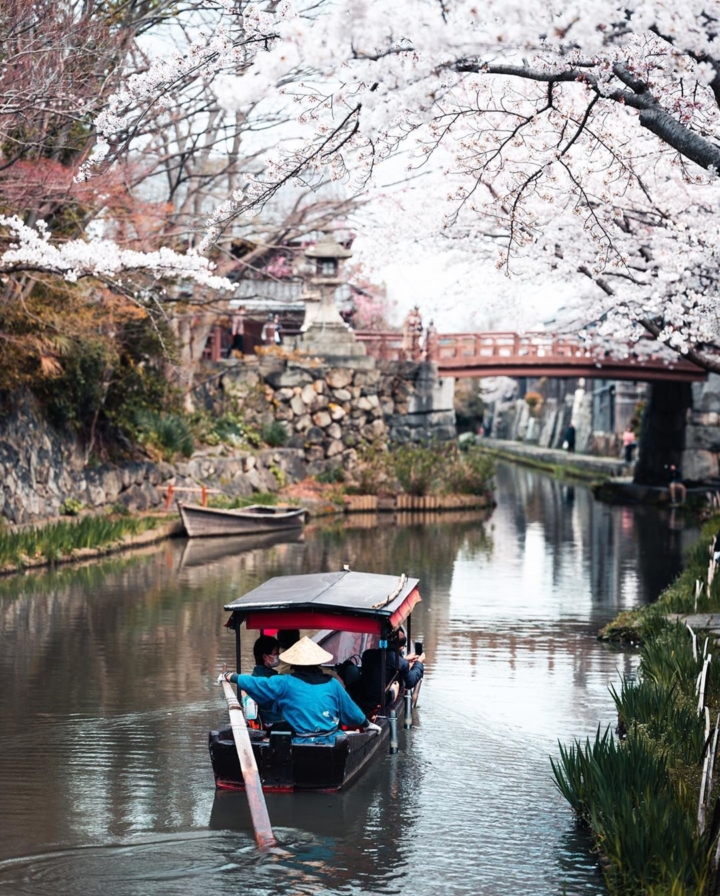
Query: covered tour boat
[(349, 613)]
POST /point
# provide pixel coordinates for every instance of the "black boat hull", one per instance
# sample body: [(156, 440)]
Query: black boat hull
[(286, 767)]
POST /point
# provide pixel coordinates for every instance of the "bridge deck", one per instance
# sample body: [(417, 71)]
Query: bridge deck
[(531, 354)]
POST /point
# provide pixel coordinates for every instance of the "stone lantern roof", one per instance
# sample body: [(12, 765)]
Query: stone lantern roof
[(327, 247)]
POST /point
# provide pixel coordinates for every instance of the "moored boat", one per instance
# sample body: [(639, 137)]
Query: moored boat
[(254, 519), (349, 612)]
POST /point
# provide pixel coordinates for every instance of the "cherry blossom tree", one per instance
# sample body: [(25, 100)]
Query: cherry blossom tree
[(81, 255), (582, 139)]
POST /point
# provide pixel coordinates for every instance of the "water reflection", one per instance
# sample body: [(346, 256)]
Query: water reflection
[(108, 672)]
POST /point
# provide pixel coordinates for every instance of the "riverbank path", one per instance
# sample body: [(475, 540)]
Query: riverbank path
[(557, 457)]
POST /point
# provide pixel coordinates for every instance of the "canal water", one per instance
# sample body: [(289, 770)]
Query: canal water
[(108, 692)]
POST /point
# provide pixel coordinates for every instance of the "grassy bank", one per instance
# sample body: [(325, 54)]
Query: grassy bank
[(648, 791), (64, 541), (696, 590)]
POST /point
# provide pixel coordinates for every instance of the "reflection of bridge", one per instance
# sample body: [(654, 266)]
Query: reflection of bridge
[(531, 354)]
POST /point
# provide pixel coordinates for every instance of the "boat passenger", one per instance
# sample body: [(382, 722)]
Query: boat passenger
[(286, 638), (313, 704), (406, 670), (266, 651)]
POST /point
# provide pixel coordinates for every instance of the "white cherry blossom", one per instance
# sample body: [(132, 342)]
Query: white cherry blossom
[(581, 139)]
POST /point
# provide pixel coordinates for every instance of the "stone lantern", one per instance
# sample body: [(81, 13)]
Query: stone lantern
[(324, 332)]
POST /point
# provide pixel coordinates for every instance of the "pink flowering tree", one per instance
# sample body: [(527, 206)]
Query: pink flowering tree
[(91, 253), (580, 140)]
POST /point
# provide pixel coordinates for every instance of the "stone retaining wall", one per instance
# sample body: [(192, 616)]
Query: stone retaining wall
[(699, 461), (328, 411), (40, 469)]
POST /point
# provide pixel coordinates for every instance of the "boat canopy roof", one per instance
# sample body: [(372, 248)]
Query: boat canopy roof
[(352, 601)]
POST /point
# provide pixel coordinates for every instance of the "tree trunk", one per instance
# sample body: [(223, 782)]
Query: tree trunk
[(662, 433)]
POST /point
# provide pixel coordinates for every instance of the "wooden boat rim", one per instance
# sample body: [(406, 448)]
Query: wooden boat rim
[(252, 511)]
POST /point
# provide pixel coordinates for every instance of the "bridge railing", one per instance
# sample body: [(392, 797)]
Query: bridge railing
[(387, 345), (457, 346), (523, 354)]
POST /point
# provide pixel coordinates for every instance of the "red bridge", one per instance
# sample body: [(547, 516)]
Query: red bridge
[(532, 354)]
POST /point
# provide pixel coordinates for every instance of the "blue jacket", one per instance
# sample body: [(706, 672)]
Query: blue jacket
[(270, 714), (313, 704)]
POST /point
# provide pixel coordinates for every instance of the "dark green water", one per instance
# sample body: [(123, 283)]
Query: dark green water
[(108, 693)]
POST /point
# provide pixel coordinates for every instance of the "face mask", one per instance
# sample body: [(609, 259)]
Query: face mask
[(274, 661)]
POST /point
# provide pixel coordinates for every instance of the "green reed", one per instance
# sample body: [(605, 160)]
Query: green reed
[(639, 792), (62, 539), (626, 793)]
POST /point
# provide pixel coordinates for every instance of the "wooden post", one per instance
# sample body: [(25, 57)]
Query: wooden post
[(216, 343), (264, 836), (203, 496), (168, 499)]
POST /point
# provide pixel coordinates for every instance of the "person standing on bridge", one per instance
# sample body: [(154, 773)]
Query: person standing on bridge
[(569, 443)]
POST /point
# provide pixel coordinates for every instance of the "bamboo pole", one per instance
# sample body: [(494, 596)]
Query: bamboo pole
[(264, 836), (706, 786), (703, 679)]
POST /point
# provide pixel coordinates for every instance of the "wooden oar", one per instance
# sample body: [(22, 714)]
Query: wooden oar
[(264, 836)]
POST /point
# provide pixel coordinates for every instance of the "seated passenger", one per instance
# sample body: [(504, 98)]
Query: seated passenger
[(286, 638), (266, 651), (407, 671), (313, 704)]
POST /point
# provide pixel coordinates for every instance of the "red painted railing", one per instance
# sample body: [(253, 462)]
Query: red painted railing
[(528, 354), (507, 354)]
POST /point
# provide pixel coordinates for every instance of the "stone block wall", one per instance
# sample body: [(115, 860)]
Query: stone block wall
[(328, 411), (699, 459), (40, 469)]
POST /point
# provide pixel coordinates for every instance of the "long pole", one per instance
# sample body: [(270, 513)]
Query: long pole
[(264, 836)]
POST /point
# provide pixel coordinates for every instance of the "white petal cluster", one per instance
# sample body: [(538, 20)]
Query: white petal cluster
[(30, 249), (543, 129)]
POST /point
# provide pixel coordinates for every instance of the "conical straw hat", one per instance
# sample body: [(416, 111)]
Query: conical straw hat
[(305, 653)]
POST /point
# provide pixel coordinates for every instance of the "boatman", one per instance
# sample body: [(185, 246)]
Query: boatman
[(313, 704)]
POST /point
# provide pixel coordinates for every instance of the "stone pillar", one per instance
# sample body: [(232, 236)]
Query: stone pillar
[(702, 432), (662, 434), (627, 395)]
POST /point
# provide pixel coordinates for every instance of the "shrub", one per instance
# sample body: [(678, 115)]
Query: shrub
[(373, 474), (279, 475), (331, 475), (639, 795), (417, 467), (119, 509), (274, 434), (469, 472), (167, 433), (71, 507)]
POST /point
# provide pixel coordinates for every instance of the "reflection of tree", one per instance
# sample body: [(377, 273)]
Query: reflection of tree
[(423, 545), (628, 549), (109, 669)]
